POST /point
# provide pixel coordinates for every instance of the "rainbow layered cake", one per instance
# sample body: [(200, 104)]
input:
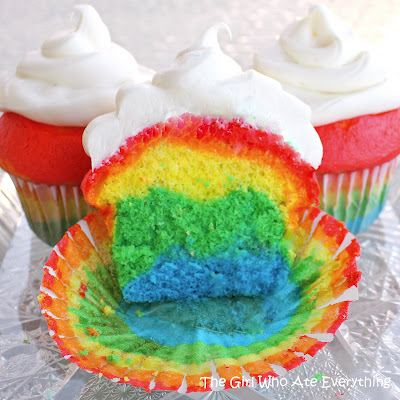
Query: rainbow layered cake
[(206, 258)]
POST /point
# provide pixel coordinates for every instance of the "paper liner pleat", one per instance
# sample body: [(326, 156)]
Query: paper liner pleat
[(51, 209), (80, 254), (357, 197)]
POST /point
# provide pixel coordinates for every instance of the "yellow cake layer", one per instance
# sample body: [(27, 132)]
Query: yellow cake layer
[(201, 176)]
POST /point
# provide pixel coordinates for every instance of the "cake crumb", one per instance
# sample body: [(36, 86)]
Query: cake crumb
[(108, 310), (318, 376), (92, 331)]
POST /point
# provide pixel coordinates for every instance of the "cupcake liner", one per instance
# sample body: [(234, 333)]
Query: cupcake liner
[(51, 209), (357, 197), (154, 347)]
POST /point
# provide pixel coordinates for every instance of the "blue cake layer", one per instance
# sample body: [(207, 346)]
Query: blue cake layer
[(224, 321), (237, 271)]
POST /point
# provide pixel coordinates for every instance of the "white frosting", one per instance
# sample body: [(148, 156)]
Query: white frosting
[(74, 77), (321, 60), (204, 81)]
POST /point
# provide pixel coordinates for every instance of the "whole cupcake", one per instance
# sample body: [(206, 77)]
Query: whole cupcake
[(54, 94), (355, 110)]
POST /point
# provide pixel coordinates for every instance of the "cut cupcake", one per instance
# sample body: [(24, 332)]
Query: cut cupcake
[(206, 257), (355, 110), (199, 201)]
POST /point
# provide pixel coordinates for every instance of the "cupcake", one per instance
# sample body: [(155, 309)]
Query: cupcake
[(47, 104), (355, 110), (206, 260)]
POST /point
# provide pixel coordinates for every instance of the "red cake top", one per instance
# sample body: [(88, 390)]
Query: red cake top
[(360, 142), (42, 153)]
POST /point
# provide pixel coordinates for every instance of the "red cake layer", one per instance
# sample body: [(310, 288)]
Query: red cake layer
[(42, 153), (360, 142)]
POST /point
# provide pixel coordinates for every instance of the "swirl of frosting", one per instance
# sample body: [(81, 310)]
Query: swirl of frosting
[(321, 40), (206, 82), (75, 76), (321, 60), (321, 52)]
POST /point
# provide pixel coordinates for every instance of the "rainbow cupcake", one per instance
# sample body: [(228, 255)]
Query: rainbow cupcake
[(54, 94), (206, 258), (355, 110)]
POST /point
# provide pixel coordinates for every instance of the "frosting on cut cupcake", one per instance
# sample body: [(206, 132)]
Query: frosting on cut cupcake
[(204, 81), (321, 60), (74, 77)]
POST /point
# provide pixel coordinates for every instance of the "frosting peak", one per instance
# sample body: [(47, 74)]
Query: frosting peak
[(321, 52), (320, 40), (206, 82), (321, 60), (209, 38), (200, 64), (74, 77), (90, 35)]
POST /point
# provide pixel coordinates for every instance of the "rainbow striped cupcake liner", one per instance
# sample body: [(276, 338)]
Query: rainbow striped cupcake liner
[(93, 327), (51, 209), (357, 197)]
